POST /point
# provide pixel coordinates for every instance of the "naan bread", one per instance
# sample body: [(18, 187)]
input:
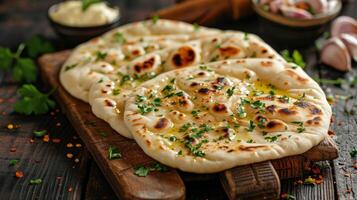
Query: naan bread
[(213, 117), (107, 96), (100, 56)]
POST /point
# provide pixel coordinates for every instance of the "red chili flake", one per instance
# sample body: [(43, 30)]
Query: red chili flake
[(46, 138), (70, 189), (13, 149), (355, 166), (316, 170), (56, 140), (19, 174)]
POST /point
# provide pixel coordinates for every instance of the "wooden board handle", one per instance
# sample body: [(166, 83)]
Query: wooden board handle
[(255, 181)]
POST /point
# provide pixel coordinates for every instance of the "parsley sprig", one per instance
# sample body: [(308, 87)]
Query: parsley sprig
[(87, 3), (295, 57), (33, 101)]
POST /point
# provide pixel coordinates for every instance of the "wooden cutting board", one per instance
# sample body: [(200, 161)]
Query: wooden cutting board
[(255, 181)]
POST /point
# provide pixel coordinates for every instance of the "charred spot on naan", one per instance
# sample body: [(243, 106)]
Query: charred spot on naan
[(270, 108), (314, 121), (252, 148), (147, 65), (275, 125), (219, 108), (228, 51), (287, 111), (109, 103), (312, 108), (184, 56), (292, 74), (162, 123), (266, 63)]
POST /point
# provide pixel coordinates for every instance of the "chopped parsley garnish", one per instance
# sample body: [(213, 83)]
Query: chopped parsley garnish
[(251, 126), (244, 101), (125, 78), (284, 99), (219, 87), (33, 101), (257, 93), (300, 129), (272, 138), (116, 91), (159, 167), (141, 171), (258, 105), (241, 111), (250, 141), (101, 55), (35, 181), (87, 3), (261, 122), (246, 36), (140, 98), (119, 37), (203, 67), (114, 153), (298, 123), (296, 57), (230, 91), (196, 27), (272, 92), (172, 138), (39, 133), (167, 89), (154, 19), (185, 127), (69, 67), (144, 109), (179, 153), (13, 162), (195, 149), (353, 152), (195, 113), (156, 102)]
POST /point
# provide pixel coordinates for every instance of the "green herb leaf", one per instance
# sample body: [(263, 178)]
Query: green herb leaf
[(101, 55), (35, 181), (24, 70), (195, 113), (246, 36), (141, 171), (251, 126), (272, 138), (241, 111), (125, 79), (159, 167), (154, 19), (185, 127), (33, 101), (69, 67), (353, 152), (196, 27), (37, 45), (119, 37), (13, 162), (296, 57), (6, 58), (87, 3), (114, 153), (230, 91), (39, 133)]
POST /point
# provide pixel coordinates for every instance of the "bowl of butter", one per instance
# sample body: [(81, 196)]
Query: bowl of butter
[(78, 21)]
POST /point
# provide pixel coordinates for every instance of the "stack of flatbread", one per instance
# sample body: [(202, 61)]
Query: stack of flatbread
[(198, 99)]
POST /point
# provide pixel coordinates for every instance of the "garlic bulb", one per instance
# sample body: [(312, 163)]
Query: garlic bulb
[(343, 24), (350, 42)]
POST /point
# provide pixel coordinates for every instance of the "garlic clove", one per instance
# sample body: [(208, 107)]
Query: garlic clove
[(318, 6), (335, 54), (343, 24), (293, 12), (275, 5), (350, 42)]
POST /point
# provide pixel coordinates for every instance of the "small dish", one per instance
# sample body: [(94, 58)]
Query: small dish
[(288, 32), (75, 35)]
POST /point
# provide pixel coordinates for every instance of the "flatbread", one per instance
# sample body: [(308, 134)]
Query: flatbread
[(107, 96), (100, 56), (213, 117)]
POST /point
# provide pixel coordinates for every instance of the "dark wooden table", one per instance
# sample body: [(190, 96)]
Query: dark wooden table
[(79, 177)]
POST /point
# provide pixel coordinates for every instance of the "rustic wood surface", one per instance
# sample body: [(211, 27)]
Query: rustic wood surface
[(21, 19)]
